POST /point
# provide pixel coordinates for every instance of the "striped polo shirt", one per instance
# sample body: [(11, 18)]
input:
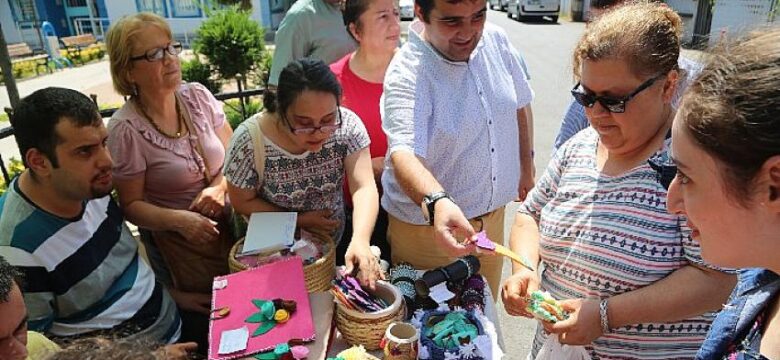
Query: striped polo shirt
[(603, 235), (84, 275)]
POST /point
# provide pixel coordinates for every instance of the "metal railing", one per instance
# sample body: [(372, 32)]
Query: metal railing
[(94, 26), (242, 95)]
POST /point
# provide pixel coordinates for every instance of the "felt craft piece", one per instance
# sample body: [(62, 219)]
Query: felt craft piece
[(271, 313), (349, 293), (544, 307), (245, 297), (484, 243)]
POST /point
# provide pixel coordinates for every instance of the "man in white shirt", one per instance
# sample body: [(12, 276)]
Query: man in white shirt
[(457, 116)]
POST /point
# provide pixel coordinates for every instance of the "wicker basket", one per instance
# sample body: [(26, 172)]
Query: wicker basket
[(368, 329), (318, 274)]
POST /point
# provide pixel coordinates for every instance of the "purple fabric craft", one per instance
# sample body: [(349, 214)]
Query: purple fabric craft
[(484, 243)]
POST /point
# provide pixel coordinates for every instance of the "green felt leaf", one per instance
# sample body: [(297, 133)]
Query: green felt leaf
[(256, 318), (266, 356), (259, 303), (264, 328)]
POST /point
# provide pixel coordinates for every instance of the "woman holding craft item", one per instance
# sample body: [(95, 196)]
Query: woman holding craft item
[(726, 144), (624, 268), (375, 25), (168, 145), (309, 143)]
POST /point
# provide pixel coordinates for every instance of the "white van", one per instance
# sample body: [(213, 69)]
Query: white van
[(524, 10)]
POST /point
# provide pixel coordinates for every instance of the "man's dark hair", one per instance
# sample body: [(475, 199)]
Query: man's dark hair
[(427, 5), (8, 275), (38, 113)]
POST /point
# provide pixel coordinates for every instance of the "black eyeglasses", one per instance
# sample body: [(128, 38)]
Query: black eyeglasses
[(327, 129), (612, 104), (158, 54)]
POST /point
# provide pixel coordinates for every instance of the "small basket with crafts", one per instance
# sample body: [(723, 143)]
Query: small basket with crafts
[(272, 236), (363, 315), (451, 335)]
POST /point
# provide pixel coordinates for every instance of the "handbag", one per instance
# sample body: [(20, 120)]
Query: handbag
[(192, 265)]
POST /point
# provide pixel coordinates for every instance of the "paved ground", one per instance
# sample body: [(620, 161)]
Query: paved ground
[(546, 48)]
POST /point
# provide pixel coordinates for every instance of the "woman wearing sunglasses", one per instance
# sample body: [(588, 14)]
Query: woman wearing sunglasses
[(623, 267), (168, 146), (726, 143), (309, 143)]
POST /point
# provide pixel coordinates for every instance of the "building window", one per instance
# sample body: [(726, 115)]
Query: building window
[(23, 10), (186, 8), (76, 3), (153, 6)]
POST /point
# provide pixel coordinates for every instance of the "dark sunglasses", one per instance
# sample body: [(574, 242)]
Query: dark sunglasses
[(612, 104), (158, 54)]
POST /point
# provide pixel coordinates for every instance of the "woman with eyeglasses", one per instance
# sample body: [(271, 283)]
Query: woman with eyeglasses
[(309, 143), (168, 145), (726, 144), (596, 224)]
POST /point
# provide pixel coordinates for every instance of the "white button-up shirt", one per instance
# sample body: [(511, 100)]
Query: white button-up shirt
[(459, 119)]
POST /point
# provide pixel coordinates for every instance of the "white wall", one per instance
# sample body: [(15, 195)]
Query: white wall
[(729, 17), (10, 32)]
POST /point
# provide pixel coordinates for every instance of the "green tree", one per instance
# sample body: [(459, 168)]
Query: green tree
[(232, 42)]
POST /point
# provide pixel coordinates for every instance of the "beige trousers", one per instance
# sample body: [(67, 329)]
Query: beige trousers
[(414, 244)]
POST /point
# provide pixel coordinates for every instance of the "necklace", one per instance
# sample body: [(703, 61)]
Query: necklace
[(179, 120)]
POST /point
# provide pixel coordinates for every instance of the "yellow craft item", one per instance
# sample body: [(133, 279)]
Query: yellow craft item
[(281, 316), (503, 250)]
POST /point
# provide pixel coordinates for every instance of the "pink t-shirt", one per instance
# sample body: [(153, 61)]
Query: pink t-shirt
[(172, 169)]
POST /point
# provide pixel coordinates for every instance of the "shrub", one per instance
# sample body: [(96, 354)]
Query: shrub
[(232, 41), (15, 167), (197, 71), (233, 111)]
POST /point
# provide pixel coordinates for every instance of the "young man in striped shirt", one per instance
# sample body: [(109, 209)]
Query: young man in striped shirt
[(59, 225)]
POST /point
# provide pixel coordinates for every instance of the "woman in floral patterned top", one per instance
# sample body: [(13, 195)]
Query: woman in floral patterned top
[(726, 143), (310, 142)]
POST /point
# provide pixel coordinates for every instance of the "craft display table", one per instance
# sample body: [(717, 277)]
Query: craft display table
[(338, 344)]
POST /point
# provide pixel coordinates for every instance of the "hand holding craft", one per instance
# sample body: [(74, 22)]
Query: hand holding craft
[(359, 256), (583, 324), (516, 290), (449, 221)]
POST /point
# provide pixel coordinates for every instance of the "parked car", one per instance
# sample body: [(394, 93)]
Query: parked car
[(498, 4), (406, 8), (525, 10)]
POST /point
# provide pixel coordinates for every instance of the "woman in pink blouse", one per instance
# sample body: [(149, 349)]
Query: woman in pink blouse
[(168, 145)]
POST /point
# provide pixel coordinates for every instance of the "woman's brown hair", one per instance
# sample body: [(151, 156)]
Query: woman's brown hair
[(732, 110), (645, 34)]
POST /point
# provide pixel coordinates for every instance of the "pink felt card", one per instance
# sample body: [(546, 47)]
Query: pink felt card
[(282, 279)]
